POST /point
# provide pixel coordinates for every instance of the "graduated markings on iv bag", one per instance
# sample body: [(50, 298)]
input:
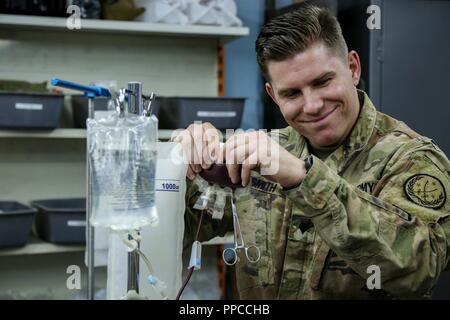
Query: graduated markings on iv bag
[(127, 187), (123, 191), (123, 173)]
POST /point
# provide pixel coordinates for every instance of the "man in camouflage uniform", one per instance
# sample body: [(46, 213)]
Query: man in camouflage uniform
[(356, 190)]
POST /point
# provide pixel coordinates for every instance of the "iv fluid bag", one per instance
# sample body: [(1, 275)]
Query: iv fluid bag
[(163, 245), (122, 163)]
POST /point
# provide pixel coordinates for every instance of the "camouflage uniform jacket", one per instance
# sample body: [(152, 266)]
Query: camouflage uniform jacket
[(377, 203)]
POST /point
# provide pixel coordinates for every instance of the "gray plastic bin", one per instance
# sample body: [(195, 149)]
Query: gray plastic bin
[(61, 221), (15, 224), (30, 110), (180, 112)]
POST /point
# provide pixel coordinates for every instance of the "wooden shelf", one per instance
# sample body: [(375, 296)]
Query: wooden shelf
[(24, 22), (68, 133)]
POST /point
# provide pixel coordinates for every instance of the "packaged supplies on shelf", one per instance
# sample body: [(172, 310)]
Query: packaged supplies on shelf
[(206, 12), (213, 12), (88, 9), (120, 10), (163, 11), (23, 86)]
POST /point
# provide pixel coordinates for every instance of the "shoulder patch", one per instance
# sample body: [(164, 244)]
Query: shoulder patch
[(426, 191)]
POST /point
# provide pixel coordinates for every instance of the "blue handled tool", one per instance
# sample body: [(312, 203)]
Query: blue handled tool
[(89, 91)]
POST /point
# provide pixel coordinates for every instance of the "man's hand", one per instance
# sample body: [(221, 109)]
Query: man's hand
[(256, 150), (241, 153), (201, 146)]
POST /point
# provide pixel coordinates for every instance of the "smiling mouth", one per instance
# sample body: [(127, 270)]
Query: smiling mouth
[(321, 118)]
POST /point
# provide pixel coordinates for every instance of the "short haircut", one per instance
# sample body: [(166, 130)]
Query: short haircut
[(293, 32)]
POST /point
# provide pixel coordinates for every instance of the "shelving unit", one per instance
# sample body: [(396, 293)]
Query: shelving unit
[(68, 133), (48, 134), (169, 60), (38, 246), (224, 34)]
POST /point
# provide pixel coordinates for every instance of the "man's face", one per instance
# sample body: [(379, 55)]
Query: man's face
[(316, 93)]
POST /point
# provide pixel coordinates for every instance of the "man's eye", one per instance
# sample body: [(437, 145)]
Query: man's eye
[(292, 94), (322, 83)]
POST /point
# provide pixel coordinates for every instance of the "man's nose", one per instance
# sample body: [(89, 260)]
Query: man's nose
[(313, 103)]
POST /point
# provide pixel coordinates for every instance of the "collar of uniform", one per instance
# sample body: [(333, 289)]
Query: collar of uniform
[(300, 150), (364, 126), (357, 140)]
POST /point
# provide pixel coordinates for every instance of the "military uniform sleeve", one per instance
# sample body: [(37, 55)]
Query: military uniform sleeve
[(210, 227), (405, 230)]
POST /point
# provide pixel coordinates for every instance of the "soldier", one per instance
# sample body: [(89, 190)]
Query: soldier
[(356, 191)]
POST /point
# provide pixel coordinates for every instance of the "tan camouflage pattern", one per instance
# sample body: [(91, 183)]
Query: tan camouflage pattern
[(350, 212)]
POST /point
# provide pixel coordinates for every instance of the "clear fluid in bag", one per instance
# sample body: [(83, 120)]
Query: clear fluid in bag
[(122, 163)]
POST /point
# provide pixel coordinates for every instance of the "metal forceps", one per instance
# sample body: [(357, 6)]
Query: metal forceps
[(239, 241)]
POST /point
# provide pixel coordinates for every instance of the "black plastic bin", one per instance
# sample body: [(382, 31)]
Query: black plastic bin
[(80, 108), (61, 221), (30, 110), (55, 8), (15, 224), (180, 112)]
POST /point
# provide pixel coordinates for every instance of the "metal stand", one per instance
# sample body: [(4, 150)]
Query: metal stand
[(90, 239), (90, 92), (135, 106), (133, 270)]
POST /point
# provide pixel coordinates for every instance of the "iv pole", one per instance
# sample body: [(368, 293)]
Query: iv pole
[(91, 92), (135, 106), (90, 233)]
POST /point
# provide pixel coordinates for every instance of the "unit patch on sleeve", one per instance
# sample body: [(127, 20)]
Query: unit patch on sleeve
[(426, 191)]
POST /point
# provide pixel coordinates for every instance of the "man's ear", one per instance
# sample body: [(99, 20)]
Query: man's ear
[(354, 65), (269, 90)]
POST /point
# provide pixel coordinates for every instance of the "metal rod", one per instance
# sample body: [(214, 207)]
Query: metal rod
[(89, 229), (133, 269), (135, 106), (135, 103)]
